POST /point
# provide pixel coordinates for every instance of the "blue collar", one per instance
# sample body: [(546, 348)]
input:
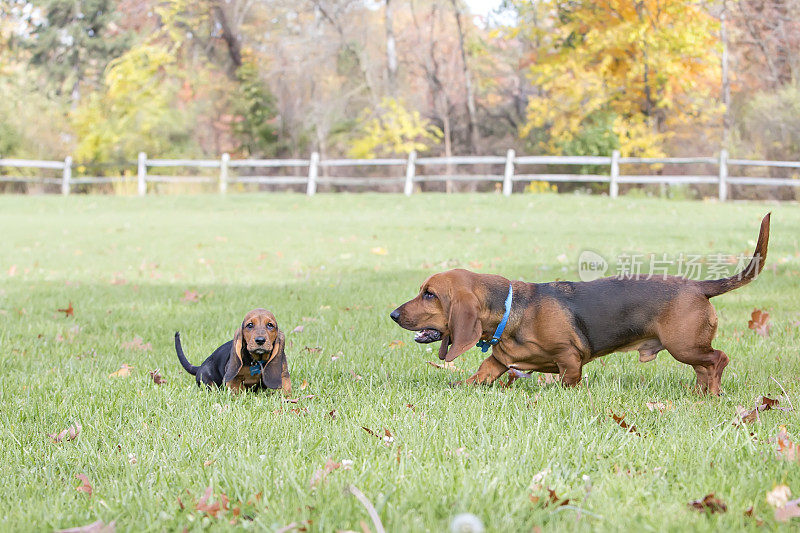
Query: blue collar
[(256, 367), (485, 345)]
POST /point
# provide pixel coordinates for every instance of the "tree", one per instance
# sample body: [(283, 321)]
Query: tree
[(391, 130), (637, 69), (74, 43)]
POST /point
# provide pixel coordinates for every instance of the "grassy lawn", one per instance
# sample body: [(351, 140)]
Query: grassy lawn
[(337, 265)]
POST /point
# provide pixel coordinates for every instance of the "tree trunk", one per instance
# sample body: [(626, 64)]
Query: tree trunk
[(391, 50), (472, 126), (726, 84)]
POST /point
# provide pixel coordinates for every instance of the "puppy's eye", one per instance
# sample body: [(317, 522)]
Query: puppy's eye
[(270, 326), (249, 325), (428, 295)]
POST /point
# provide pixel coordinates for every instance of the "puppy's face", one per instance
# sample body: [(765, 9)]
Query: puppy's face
[(446, 309), (259, 331)]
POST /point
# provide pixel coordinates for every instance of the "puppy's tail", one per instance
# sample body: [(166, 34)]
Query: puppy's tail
[(190, 368), (716, 287)]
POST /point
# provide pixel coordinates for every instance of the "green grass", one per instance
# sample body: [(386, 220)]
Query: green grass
[(311, 262)]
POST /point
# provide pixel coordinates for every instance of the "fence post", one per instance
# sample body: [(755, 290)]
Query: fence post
[(411, 169), (723, 175), (313, 170), (66, 176), (142, 174), (508, 173), (223, 173), (613, 186)]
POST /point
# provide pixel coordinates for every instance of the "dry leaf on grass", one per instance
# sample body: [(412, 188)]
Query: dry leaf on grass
[(551, 499), (295, 400), (788, 511), (759, 322), (355, 376), (158, 379), (95, 527), (137, 344), (212, 509), (71, 433), (333, 414), (396, 344), (298, 329), (68, 311), (85, 486), (379, 250), (123, 372), (451, 366), (387, 439), (321, 473), (709, 503), (190, 297), (787, 449), (299, 526), (763, 403), (659, 406), (779, 496), (620, 420), (303, 385)]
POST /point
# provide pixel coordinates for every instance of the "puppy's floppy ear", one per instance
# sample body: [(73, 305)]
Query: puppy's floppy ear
[(235, 360), (465, 328), (272, 371), (444, 347)]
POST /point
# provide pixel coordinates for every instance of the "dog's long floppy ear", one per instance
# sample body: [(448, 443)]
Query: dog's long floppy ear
[(465, 328), (235, 360), (272, 371)]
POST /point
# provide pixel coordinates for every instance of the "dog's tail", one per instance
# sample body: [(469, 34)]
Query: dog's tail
[(716, 287), (190, 368)]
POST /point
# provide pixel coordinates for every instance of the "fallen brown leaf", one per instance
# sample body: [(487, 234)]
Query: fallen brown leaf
[(85, 486), (68, 311), (396, 344), (315, 349), (300, 526), (137, 344), (212, 509), (759, 322), (620, 420), (709, 503), (355, 376), (787, 449), (298, 329), (295, 400), (95, 527), (157, 378), (321, 473), (303, 385), (71, 433), (190, 296), (788, 511), (387, 439), (763, 403), (659, 406), (333, 414), (451, 366), (123, 372)]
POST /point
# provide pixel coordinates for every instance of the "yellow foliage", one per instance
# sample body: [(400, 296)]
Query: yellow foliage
[(540, 187), (393, 129), (653, 64)]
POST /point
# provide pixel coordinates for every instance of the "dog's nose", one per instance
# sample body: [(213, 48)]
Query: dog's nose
[(395, 314), (261, 340)]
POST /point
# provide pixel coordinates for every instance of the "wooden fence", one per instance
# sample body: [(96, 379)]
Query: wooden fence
[(310, 171)]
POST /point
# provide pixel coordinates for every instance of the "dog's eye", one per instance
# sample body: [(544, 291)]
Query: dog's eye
[(428, 295), (249, 325), (270, 326)]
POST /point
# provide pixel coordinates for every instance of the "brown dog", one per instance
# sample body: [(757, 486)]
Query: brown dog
[(253, 359), (561, 326)]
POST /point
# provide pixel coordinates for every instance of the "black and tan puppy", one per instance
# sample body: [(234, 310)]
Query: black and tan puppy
[(253, 359), (561, 326)]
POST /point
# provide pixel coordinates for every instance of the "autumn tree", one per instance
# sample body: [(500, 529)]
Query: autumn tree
[(619, 74)]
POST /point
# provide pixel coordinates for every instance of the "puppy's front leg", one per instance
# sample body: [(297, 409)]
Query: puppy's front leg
[(488, 372)]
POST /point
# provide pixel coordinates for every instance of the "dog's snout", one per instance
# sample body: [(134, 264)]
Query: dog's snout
[(260, 340), (395, 315)]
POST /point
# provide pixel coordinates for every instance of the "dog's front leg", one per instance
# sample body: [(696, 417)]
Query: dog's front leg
[(488, 372)]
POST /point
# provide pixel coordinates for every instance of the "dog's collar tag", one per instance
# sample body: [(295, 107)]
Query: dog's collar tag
[(256, 367), (485, 345)]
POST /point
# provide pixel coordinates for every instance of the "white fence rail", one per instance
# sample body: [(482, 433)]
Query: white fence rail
[(308, 171)]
